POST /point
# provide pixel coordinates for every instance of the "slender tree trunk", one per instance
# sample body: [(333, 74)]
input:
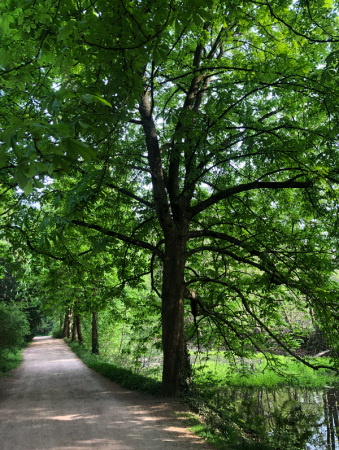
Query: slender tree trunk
[(95, 338), (78, 322), (175, 364), (64, 332), (67, 322), (69, 326), (74, 330)]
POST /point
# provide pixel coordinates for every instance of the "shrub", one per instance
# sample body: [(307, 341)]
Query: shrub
[(13, 328), (57, 333)]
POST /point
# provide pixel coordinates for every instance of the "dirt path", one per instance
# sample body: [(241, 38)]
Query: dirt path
[(54, 402)]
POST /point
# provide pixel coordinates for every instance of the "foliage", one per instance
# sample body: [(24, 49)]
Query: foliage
[(255, 373), (218, 440), (13, 328), (57, 333), (9, 362)]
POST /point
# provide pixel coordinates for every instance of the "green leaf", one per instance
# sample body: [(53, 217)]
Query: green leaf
[(5, 59), (64, 32), (81, 149), (38, 183), (62, 129), (3, 156), (88, 98), (29, 187), (83, 124), (4, 24), (44, 224), (57, 200), (102, 100), (14, 147), (41, 166), (20, 177), (47, 243), (55, 106), (163, 54), (7, 136)]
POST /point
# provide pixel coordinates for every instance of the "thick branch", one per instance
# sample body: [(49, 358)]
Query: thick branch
[(155, 163), (30, 246), (248, 187), (119, 236)]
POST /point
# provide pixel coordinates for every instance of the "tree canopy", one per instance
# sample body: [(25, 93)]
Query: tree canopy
[(195, 142)]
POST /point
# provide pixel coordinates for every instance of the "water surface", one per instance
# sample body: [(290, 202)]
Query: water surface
[(299, 417)]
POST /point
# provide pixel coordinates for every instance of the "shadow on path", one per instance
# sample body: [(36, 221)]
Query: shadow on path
[(54, 402)]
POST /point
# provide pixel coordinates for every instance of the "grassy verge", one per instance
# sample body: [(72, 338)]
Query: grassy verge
[(126, 378), (289, 372), (10, 362)]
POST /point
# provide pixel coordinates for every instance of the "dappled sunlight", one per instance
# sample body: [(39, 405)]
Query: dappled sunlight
[(75, 408), (42, 338), (71, 417)]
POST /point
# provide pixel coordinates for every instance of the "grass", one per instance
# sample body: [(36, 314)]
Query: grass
[(255, 374), (125, 377), (10, 362)]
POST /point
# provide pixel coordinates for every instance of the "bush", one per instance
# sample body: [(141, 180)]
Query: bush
[(13, 329), (57, 333)]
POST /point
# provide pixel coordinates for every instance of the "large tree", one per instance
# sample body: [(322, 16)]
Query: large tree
[(204, 133)]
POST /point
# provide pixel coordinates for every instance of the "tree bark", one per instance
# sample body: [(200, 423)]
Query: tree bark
[(176, 364), (95, 337), (69, 323), (78, 323), (74, 331), (66, 330)]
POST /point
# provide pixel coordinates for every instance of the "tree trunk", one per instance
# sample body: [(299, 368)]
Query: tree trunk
[(69, 326), (74, 330), (176, 363), (67, 321), (78, 322), (64, 331), (95, 338)]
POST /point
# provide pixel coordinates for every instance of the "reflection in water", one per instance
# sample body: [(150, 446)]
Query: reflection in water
[(292, 417)]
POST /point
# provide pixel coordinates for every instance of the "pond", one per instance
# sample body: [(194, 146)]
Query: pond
[(291, 417)]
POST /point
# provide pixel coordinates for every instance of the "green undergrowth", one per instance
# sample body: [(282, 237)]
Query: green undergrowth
[(255, 373), (218, 440), (57, 333), (125, 377), (9, 362)]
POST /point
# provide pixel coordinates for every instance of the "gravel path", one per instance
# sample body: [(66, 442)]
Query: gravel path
[(54, 402)]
